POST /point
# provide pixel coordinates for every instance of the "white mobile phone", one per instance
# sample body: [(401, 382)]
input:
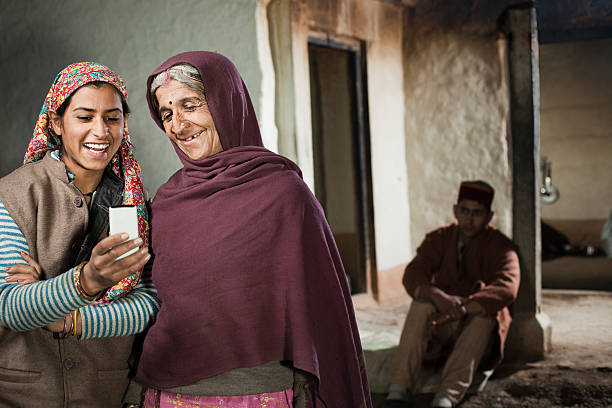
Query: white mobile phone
[(124, 219)]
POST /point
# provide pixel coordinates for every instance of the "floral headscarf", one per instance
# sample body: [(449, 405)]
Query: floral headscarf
[(123, 163)]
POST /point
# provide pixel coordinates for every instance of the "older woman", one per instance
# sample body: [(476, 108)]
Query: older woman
[(255, 310), (64, 296)]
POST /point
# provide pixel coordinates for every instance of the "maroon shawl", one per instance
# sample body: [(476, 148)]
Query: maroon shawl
[(245, 263)]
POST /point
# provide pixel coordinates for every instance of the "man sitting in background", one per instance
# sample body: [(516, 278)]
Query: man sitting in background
[(462, 280)]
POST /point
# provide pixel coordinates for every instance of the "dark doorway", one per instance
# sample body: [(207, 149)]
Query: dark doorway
[(341, 153)]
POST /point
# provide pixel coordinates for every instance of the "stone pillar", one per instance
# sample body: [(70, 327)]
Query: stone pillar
[(530, 333)]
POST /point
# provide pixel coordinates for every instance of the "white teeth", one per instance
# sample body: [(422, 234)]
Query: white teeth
[(191, 137), (97, 147)]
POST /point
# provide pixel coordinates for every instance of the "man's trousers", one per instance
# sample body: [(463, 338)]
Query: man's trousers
[(473, 335)]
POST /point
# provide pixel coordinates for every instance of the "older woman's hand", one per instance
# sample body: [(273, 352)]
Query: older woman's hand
[(104, 269), (24, 274)]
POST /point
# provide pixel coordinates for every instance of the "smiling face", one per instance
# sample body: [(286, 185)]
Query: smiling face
[(187, 120), (472, 217), (91, 129)]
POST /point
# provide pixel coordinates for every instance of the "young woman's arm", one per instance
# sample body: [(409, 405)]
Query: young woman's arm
[(128, 315), (27, 307)]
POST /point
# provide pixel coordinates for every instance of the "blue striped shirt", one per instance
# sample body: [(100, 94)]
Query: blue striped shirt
[(27, 307)]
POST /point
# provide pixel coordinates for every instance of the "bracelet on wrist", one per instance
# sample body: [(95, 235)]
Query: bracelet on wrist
[(62, 334), (68, 331), (74, 322), (77, 284)]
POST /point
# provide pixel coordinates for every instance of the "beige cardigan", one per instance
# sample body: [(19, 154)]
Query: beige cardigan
[(35, 369)]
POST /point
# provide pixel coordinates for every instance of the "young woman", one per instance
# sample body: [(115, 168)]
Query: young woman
[(65, 299), (255, 311)]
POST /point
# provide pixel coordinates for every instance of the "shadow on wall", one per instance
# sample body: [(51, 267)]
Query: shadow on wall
[(30, 60)]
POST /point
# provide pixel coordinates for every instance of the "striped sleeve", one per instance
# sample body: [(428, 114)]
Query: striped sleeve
[(27, 307), (128, 315)]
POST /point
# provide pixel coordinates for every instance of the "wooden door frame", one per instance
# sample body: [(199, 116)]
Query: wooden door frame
[(362, 154)]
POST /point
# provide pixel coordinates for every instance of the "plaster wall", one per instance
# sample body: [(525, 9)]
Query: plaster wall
[(576, 126), (39, 38), (456, 122)]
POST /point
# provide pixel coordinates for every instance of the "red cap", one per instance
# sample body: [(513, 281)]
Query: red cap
[(478, 191)]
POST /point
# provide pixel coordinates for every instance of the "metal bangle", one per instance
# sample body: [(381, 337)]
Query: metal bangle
[(62, 334), (74, 322), (77, 284), (69, 331)]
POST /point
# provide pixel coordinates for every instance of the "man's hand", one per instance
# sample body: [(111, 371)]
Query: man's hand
[(452, 307), (449, 305)]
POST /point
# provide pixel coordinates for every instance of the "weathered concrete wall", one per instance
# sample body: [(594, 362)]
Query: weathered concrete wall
[(456, 114), (576, 126), (39, 38)]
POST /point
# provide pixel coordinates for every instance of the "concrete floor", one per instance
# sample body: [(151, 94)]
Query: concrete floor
[(582, 349)]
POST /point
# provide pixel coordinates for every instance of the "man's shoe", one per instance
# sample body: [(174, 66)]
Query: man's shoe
[(441, 401), (403, 400), (399, 398)]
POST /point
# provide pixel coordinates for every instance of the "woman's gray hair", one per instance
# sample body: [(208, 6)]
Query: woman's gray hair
[(184, 73)]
